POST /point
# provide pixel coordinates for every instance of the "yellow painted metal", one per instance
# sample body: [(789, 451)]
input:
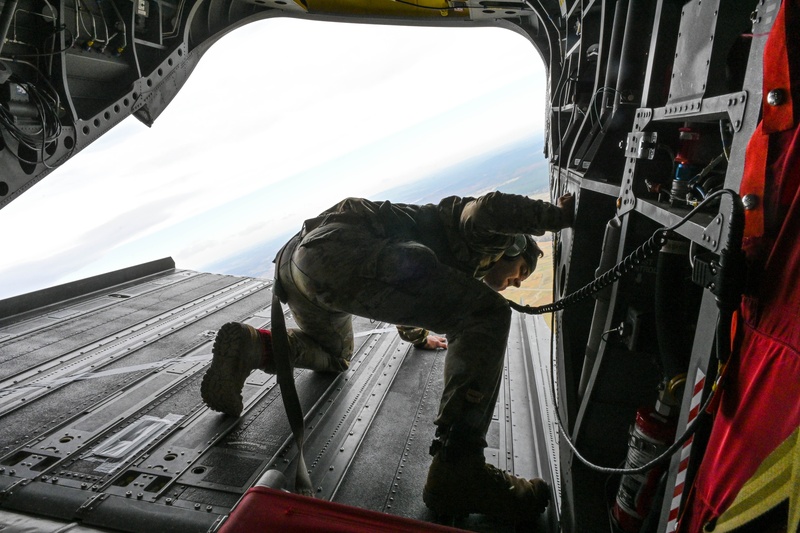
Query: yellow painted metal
[(399, 9), (775, 481)]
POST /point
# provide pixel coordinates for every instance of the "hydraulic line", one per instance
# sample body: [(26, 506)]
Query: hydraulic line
[(5, 20)]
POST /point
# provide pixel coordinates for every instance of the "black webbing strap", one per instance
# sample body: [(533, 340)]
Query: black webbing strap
[(285, 377)]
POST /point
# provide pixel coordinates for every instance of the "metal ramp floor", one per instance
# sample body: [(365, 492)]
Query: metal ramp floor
[(103, 428)]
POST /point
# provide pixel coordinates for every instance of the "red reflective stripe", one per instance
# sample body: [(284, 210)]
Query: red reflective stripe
[(775, 118), (756, 405), (777, 76), (755, 164), (698, 387)]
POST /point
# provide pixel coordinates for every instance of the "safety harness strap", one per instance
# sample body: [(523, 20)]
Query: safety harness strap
[(285, 377)]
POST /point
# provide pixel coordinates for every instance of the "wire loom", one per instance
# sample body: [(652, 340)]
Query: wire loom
[(38, 138)]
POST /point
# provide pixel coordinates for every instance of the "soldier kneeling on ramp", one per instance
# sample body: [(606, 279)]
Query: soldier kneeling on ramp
[(435, 267)]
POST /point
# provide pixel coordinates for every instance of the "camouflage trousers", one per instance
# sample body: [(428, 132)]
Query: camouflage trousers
[(339, 270)]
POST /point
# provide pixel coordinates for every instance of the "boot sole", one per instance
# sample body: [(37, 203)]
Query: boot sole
[(446, 510), (222, 385), (451, 507)]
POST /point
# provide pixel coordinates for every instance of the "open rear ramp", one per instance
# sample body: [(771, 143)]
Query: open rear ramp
[(103, 427)]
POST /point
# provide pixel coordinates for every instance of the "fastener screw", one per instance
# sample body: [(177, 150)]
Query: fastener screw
[(750, 201)]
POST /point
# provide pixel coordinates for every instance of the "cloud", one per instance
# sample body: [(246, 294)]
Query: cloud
[(89, 248), (280, 119)]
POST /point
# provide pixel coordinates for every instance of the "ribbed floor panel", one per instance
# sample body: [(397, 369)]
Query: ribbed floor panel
[(102, 416)]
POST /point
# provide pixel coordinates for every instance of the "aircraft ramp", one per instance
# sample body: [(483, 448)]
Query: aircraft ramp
[(103, 427)]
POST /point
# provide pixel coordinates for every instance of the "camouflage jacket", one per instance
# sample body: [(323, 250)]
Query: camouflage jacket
[(468, 234)]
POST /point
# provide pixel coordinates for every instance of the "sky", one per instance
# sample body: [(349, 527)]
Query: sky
[(281, 119)]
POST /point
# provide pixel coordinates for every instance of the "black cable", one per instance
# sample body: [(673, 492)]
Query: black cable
[(666, 454), (13, 57), (688, 432), (433, 8), (54, 96), (733, 246), (648, 248), (50, 123)]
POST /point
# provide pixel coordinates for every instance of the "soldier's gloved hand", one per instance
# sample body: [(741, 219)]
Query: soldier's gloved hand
[(567, 205), (434, 343)]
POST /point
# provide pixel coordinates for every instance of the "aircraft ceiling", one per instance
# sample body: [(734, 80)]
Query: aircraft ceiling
[(71, 71)]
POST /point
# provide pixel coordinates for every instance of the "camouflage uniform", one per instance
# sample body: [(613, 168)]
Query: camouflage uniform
[(420, 266)]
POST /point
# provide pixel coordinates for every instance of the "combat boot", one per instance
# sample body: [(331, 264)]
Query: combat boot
[(238, 350), (462, 483)]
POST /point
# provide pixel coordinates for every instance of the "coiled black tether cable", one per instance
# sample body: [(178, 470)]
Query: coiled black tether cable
[(731, 260), (650, 246)]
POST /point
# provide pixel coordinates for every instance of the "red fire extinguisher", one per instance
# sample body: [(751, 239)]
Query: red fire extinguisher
[(653, 432)]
